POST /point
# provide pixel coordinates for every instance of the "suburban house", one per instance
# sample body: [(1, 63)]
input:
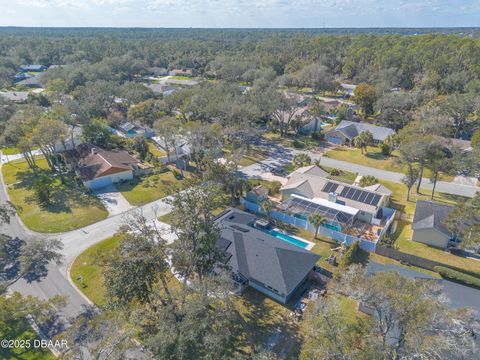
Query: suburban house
[(73, 139), (181, 150), (348, 89), (258, 258), (15, 96), (352, 213), (158, 71), (428, 227), (98, 168), (131, 130), (346, 131), (163, 89), (257, 194), (181, 72), (32, 68), (32, 82)]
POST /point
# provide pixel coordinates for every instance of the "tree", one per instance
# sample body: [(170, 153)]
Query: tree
[(475, 141), (368, 180), (97, 132), (301, 160), (168, 129), (145, 112), (396, 109), (317, 220), (459, 107), (194, 253), (140, 145), (316, 76), (140, 262), (363, 140), (43, 185), (409, 318), (7, 210), (462, 221), (365, 98), (410, 179), (268, 206), (440, 160), (284, 108)]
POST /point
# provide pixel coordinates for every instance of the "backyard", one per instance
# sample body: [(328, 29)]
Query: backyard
[(292, 141), (373, 158), (71, 207), (148, 188)]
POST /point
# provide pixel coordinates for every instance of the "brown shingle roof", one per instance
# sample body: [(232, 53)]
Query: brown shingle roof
[(96, 162)]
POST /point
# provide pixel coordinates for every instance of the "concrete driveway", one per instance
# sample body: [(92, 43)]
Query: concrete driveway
[(113, 200)]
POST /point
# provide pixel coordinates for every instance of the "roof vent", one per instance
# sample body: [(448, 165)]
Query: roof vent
[(94, 151)]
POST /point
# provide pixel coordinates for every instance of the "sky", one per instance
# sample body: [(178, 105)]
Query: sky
[(240, 13)]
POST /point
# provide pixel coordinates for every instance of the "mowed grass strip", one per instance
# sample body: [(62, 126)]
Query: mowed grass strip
[(148, 188), (375, 159), (88, 266), (72, 208)]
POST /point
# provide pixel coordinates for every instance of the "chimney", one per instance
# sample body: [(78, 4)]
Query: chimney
[(94, 151)]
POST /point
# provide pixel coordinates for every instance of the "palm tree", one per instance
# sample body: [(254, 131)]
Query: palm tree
[(268, 206), (316, 220)]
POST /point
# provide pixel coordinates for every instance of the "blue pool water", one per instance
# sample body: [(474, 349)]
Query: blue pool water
[(288, 239)]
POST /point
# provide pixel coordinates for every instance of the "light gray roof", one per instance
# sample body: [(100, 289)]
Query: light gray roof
[(352, 129), (17, 96), (431, 215), (34, 80), (261, 257)]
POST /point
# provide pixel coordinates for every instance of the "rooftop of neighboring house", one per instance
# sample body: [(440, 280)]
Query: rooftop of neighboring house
[(180, 72), (33, 67), (259, 256), (351, 129), (94, 162), (32, 81), (160, 88), (313, 183), (16, 96), (260, 190), (431, 215)]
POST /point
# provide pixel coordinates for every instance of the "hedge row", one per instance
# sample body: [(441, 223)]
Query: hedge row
[(457, 276)]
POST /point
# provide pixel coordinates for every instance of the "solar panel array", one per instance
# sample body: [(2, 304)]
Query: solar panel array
[(310, 207), (362, 196), (330, 187)]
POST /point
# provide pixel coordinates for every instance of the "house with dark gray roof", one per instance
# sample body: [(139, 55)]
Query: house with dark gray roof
[(257, 258), (33, 68), (428, 224), (346, 131)]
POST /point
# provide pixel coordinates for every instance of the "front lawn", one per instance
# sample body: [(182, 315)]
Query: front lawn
[(10, 151), (148, 188), (399, 201), (88, 265), (292, 141), (71, 207), (154, 150), (253, 155), (375, 159), (404, 243)]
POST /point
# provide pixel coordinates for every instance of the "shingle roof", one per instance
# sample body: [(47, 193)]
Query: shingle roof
[(95, 162), (261, 257), (352, 129), (431, 215)]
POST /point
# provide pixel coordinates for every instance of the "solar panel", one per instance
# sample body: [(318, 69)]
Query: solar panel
[(368, 198), (375, 200), (344, 191), (350, 193), (330, 187), (363, 196), (357, 195)]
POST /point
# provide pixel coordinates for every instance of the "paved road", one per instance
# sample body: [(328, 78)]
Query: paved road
[(283, 156), (74, 242)]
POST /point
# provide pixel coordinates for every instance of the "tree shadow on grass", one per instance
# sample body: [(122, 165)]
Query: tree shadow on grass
[(266, 325)]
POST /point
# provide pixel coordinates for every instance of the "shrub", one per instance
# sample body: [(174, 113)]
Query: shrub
[(385, 149), (318, 135), (335, 172), (297, 144), (458, 276), (275, 187), (368, 180), (349, 256)]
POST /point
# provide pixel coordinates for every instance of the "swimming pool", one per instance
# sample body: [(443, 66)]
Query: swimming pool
[(288, 239)]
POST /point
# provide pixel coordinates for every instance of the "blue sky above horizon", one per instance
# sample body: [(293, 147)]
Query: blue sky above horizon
[(241, 13)]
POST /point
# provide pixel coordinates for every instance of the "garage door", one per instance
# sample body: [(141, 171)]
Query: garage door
[(101, 182)]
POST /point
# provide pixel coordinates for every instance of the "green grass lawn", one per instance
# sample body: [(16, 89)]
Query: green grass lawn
[(71, 209), (292, 141), (155, 151), (375, 159), (253, 155), (399, 201), (265, 322), (10, 151), (26, 354), (404, 243), (148, 188), (88, 265), (179, 77)]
